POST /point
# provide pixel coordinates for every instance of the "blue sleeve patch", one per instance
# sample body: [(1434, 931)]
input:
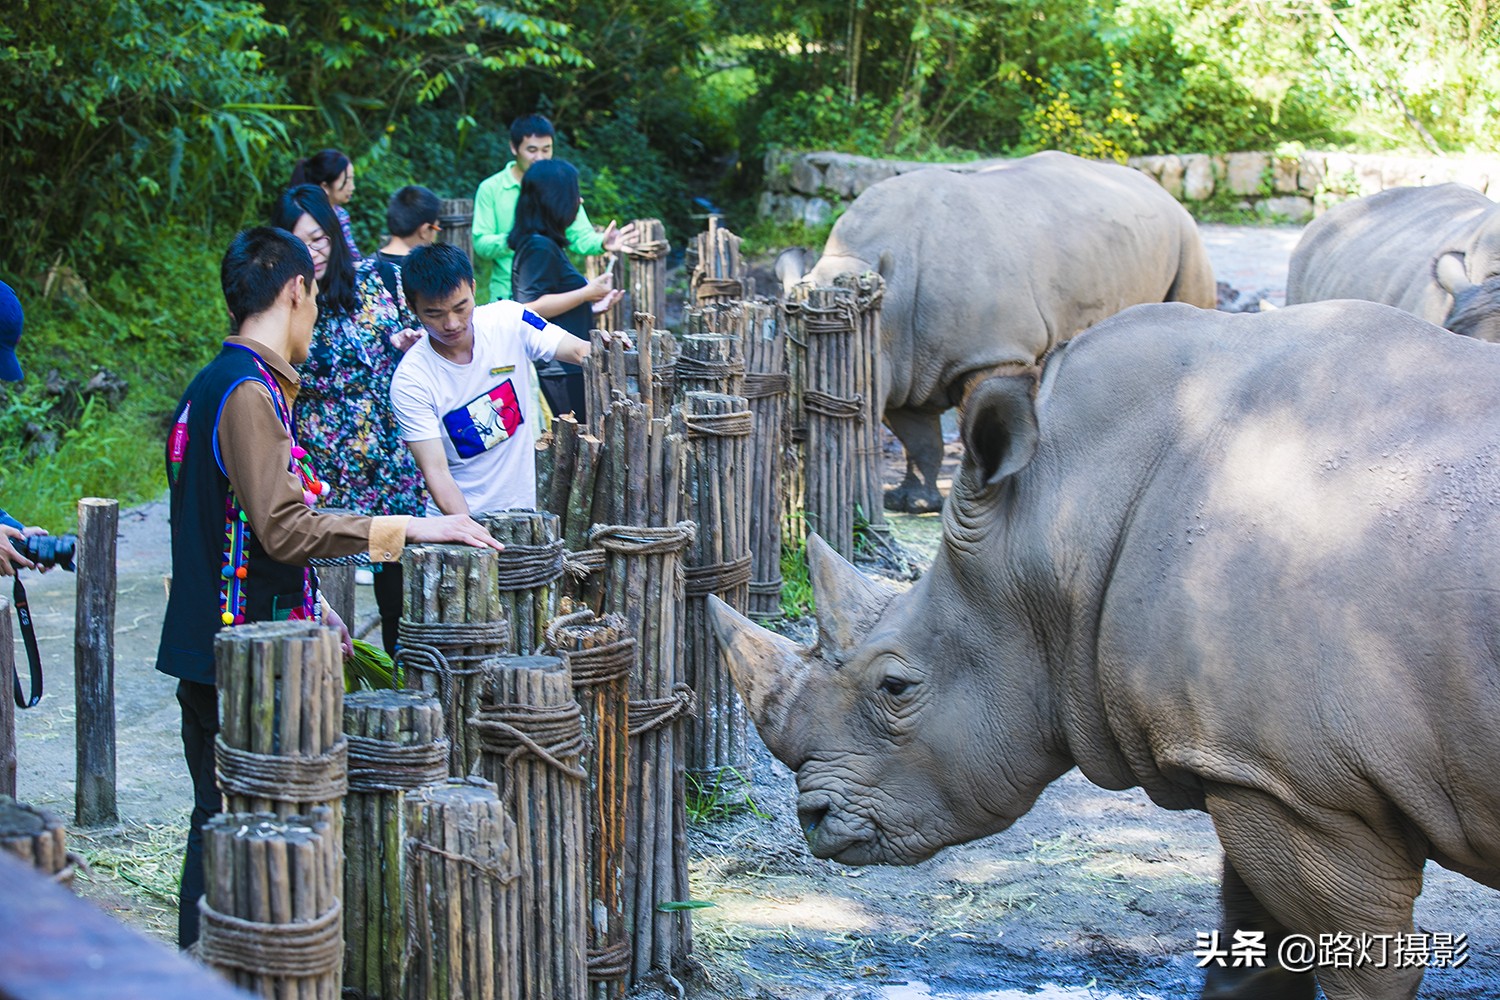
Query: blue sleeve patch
[(531, 318)]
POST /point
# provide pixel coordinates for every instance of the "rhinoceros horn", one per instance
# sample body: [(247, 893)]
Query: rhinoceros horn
[(848, 602), (768, 669)]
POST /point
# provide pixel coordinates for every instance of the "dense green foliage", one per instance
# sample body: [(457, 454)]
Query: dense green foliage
[(135, 135)]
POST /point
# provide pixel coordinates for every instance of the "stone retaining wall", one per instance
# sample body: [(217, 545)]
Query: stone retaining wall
[(813, 186)]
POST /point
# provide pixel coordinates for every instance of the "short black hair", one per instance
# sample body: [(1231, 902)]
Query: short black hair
[(257, 266), (547, 204), (434, 272), (411, 208), (530, 125), (323, 167), (337, 292)]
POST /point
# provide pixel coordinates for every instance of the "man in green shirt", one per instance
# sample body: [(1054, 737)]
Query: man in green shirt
[(495, 207)]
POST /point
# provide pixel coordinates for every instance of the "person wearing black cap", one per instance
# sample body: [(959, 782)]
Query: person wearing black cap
[(12, 318)]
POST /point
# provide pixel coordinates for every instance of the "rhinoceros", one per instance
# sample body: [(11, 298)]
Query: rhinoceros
[(1248, 563), (994, 268), (1433, 251)]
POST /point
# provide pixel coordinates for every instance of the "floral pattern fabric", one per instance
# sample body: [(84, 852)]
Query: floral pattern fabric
[(343, 412), (347, 225)]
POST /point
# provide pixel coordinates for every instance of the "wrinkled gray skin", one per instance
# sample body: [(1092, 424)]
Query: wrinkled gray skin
[(995, 268), (1249, 563), (1433, 251)]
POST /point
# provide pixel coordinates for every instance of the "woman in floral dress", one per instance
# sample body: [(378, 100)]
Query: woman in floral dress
[(343, 410)]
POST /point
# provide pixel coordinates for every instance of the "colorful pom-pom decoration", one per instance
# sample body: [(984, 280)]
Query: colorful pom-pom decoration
[(298, 451), (239, 619), (308, 497), (242, 572), (228, 618)]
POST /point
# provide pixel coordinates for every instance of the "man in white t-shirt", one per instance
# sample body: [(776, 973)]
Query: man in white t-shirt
[(463, 394)]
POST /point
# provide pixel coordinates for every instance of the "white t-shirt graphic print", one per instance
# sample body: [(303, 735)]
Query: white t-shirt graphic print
[(484, 412)]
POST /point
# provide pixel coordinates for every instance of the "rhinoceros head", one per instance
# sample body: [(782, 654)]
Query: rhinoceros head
[(893, 722)]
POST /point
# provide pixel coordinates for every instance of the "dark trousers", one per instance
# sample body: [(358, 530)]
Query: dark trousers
[(200, 724), (565, 394), (390, 599)]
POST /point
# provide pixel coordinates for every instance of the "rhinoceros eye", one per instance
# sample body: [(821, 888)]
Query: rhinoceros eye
[(895, 686)]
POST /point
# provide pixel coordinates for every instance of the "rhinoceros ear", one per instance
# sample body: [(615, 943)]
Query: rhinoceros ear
[(1452, 273), (848, 602), (999, 427)]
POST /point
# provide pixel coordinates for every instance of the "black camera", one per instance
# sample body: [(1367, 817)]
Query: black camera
[(50, 550)]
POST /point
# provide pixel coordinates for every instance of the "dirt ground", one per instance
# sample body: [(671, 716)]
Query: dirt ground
[(1092, 894)]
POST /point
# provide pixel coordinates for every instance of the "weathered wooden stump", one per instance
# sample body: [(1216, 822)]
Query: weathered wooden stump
[(719, 274), (867, 383), (396, 745), (836, 402), (456, 216), (462, 898), (271, 920), (281, 746), (713, 356), (36, 837), (766, 390), (717, 563), (452, 624), (531, 738), (527, 572), (646, 269), (600, 655)]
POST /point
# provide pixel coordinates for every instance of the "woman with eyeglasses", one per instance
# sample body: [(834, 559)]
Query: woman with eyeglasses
[(343, 410), (334, 173)]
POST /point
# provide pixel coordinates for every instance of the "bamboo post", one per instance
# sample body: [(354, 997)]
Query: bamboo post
[(452, 624), (396, 744), (456, 216), (834, 406), (794, 465), (712, 358), (94, 662), (868, 289), (462, 899), (719, 275), (643, 574), (646, 269), (600, 655), (7, 703), (527, 572), (531, 738), (37, 838), (717, 563), (766, 390), (271, 915)]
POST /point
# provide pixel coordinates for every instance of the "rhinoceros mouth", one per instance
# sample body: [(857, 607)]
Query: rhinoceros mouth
[(851, 839)]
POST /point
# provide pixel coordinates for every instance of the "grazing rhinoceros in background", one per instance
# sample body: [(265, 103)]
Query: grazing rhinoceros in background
[(995, 268), (1249, 563), (1433, 251)]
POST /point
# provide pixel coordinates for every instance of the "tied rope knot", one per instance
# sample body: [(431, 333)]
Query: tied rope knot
[(593, 666), (736, 424), (550, 733), (705, 287), (765, 385), (583, 563), (648, 250), (435, 648), (833, 407), (527, 567), (689, 367), (649, 714), (641, 540), (716, 578), (293, 950), (283, 777), (377, 765)]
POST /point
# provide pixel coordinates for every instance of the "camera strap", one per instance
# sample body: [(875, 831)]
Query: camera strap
[(28, 636)]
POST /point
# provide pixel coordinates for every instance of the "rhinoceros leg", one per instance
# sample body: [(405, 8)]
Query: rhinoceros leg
[(921, 434), (1323, 874), (1242, 913)]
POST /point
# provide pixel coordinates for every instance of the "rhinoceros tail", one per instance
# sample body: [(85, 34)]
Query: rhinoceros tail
[(1194, 281)]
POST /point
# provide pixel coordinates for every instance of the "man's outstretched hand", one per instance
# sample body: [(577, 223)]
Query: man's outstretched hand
[(617, 239), (460, 529)]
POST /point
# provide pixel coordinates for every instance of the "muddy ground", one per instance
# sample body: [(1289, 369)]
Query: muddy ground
[(1093, 893)]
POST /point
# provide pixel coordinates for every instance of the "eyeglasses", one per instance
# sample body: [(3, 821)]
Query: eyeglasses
[(319, 242)]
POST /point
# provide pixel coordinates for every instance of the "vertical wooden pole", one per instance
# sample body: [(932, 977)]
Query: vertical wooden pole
[(336, 583), (94, 661), (7, 703), (456, 216)]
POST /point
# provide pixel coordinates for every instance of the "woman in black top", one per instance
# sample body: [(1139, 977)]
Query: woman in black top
[(544, 279)]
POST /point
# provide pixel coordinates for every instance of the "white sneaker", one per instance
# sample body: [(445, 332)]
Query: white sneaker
[(364, 576)]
